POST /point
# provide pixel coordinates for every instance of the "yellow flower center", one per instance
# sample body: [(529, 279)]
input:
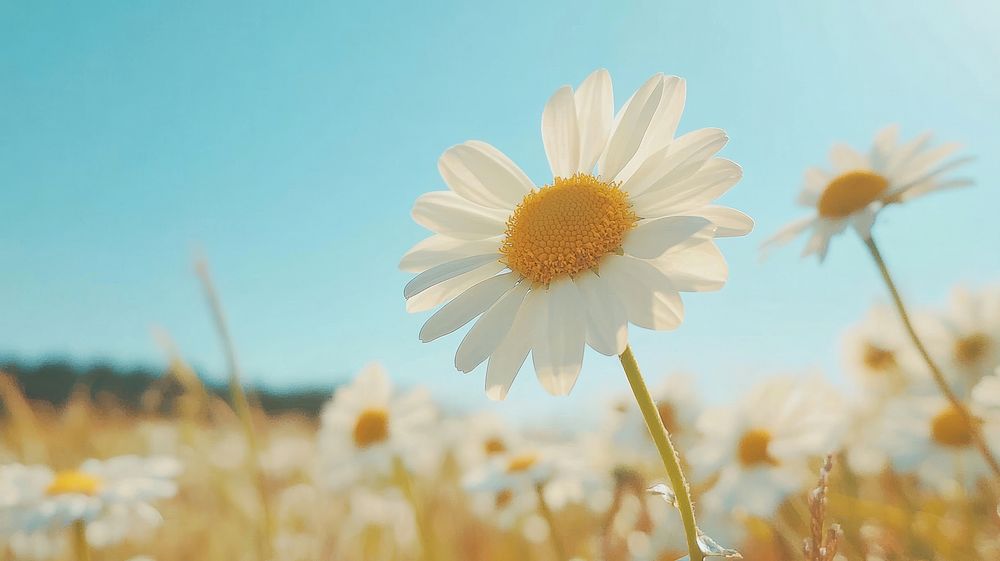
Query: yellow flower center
[(971, 349), (879, 359), (951, 428), (850, 192), (371, 427), (752, 449), (566, 228), (521, 463), (494, 446), (72, 482)]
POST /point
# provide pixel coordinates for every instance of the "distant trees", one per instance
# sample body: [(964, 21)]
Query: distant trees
[(137, 389)]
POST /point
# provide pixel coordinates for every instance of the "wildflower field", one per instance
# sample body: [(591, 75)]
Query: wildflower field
[(894, 457)]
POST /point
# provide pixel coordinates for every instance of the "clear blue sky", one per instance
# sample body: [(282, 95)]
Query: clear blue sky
[(289, 140)]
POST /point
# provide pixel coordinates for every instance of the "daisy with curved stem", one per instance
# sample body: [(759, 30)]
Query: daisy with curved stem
[(100, 501), (624, 226), (927, 435), (859, 187)]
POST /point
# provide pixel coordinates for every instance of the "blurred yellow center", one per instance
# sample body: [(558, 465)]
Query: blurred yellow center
[(72, 482), (566, 228), (494, 446), (850, 192), (521, 463), (879, 359), (951, 428), (752, 449), (371, 427), (972, 349)]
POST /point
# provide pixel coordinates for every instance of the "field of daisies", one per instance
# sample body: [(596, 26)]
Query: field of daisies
[(901, 466)]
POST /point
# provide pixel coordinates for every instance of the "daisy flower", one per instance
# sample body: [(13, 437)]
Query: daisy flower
[(879, 354), (966, 338), (760, 447), (623, 225), (110, 496), (926, 435), (479, 438), (367, 427), (857, 186)]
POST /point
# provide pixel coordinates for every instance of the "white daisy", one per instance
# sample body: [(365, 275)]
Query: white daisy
[(760, 447), (479, 438), (966, 338), (551, 268), (859, 185), (367, 427), (111, 496), (506, 489), (880, 355), (926, 435)]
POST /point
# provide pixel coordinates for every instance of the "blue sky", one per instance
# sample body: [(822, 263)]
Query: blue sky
[(288, 142)]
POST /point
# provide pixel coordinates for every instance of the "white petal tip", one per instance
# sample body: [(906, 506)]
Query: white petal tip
[(496, 393)]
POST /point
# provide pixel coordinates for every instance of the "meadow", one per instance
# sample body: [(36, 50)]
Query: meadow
[(902, 466)]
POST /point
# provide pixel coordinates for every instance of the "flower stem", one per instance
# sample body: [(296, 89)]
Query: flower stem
[(550, 519), (405, 483), (666, 449), (240, 403), (80, 546), (936, 373)]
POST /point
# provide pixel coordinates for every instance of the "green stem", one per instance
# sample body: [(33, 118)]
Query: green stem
[(666, 449), (405, 482), (80, 546), (550, 519), (936, 373)]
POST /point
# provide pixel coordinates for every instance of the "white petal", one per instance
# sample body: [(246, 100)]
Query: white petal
[(844, 158), (819, 242), (676, 162), (445, 271), (649, 298), (695, 267), (607, 322), (728, 222), (634, 119), (717, 176), (439, 249), (558, 349), (814, 182), (466, 306), (506, 360), (789, 232), (668, 116), (484, 175), (560, 133), (490, 329), (444, 212), (445, 291), (903, 154), (883, 146), (595, 107), (650, 239)]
